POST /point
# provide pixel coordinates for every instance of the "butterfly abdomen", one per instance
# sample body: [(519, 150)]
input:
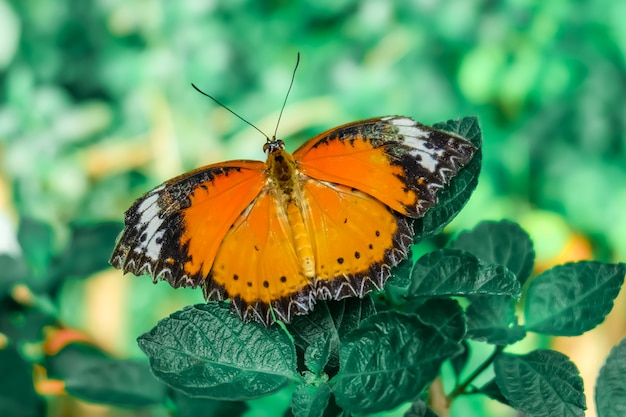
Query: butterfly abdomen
[(302, 241), (283, 173)]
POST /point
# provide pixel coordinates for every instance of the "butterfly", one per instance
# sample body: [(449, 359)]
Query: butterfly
[(326, 222)]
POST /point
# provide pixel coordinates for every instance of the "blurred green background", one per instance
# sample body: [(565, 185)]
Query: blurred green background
[(96, 108)]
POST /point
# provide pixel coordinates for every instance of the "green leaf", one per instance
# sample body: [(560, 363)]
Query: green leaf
[(400, 280), (17, 393), (466, 127), (73, 359), (37, 241), (328, 321), (200, 407), (22, 324), (419, 409), (122, 383), (611, 384), (317, 353), (571, 299), (459, 361), (14, 271), (452, 198), (88, 250), (348, 313), (451, 272), (403, 269), (543, 383), (492, 390), (388, 360), (332, 409), (502, 243), (206, 351), (492, 319), (310, 401), (445, 315), (316, 329)]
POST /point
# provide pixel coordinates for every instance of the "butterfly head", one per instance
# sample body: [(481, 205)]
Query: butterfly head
[(273, 145)]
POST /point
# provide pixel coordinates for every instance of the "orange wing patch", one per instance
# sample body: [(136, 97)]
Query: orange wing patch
[(257, 265), (356, 239), (213, 207), (394, 159), (356, 163), (173, 232)]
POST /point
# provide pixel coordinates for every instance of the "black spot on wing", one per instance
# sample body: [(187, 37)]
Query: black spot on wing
[(360, 284), (303, 301)]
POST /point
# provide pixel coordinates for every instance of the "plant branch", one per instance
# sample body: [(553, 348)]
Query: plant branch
[(461, 389)]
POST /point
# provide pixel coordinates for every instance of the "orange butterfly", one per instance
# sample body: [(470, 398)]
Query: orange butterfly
[(327, 222)]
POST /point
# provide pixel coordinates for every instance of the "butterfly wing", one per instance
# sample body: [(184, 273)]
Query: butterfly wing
[(257, 265), (396, 160), (364, 181), (356, 239), (174, 231)]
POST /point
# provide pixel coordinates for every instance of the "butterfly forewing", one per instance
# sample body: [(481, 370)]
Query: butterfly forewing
[(174, 231), (394, 159)]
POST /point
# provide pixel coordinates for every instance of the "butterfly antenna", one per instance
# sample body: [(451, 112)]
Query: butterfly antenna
[(293, 76), (226, 107)]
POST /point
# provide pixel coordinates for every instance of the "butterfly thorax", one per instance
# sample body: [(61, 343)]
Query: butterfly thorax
[(286, 184), (282, 171)]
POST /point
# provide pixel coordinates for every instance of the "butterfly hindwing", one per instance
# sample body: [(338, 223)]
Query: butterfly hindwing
[(257, 265), (356, 239)]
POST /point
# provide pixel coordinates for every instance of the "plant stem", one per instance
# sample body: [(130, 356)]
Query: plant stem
[(170, 404), (437, 399), (461, 389)]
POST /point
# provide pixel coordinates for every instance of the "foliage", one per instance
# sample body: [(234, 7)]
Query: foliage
[(611, 387), (95, 107), (359, 356), (391, 352)]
